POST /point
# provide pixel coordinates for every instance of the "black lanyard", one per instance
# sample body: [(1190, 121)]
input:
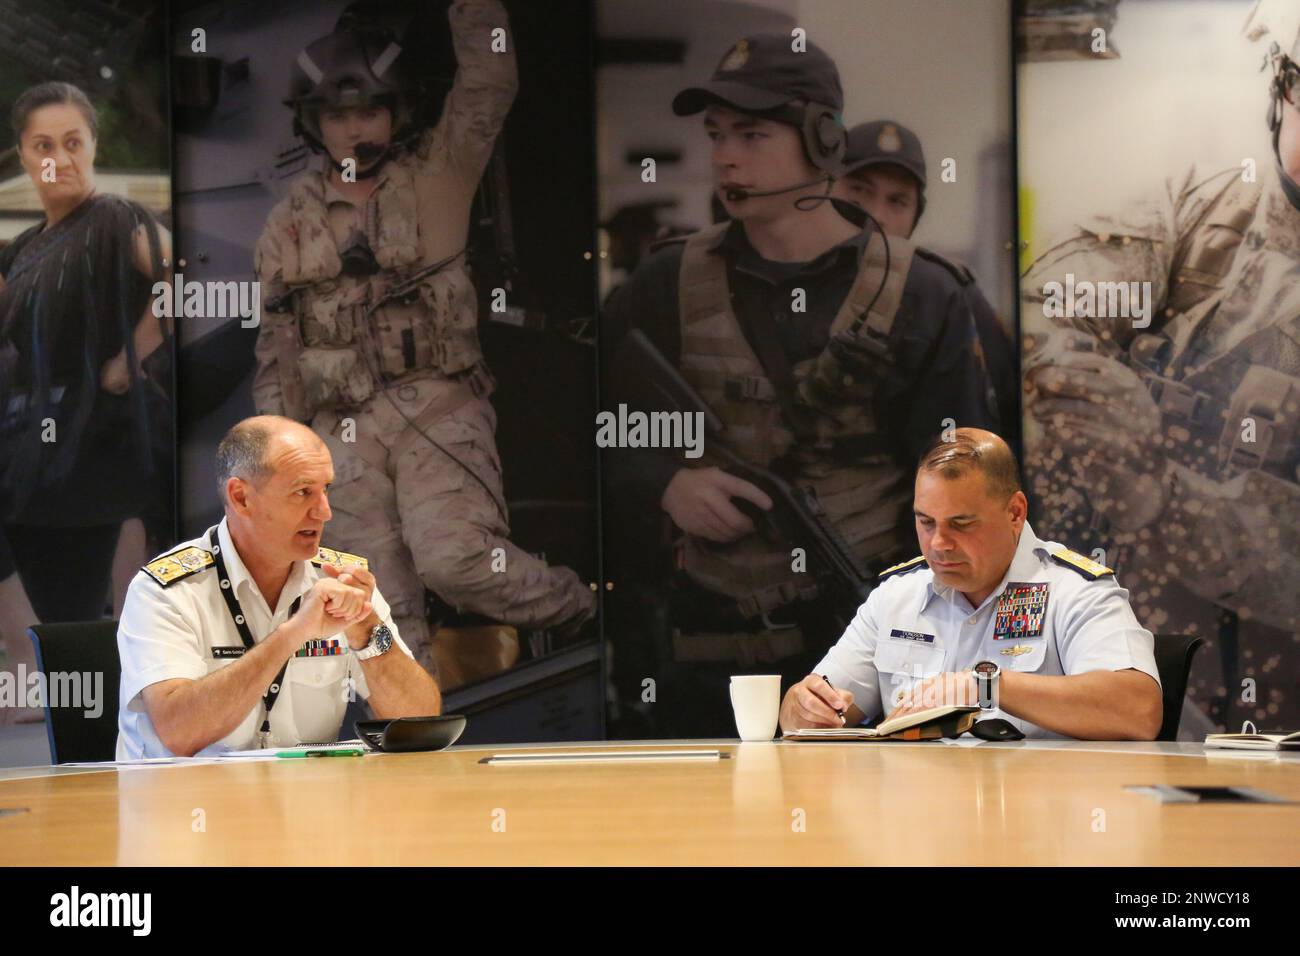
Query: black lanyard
[(245, 635)]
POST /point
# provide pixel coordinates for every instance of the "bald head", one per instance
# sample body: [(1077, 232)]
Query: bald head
[(252, 447), (275, 476), (974, 450)]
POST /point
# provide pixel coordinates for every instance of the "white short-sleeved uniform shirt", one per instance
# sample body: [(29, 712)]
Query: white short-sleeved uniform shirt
[(184, 630), (1054, 613)]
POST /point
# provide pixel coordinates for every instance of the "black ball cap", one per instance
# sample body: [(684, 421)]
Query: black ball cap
[(762, 72), (885, 142)]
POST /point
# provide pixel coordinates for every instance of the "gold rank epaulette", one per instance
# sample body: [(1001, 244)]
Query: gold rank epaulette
[(1089, 568), (339, 558), (171, 568), (912, 565)]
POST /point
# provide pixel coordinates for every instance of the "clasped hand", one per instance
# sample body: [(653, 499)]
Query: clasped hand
[(335, 603)]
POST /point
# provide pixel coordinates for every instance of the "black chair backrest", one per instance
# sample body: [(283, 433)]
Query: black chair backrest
[(83, 658), (1174, 653)]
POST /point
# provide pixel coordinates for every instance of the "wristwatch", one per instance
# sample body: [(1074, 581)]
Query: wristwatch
[(381, 639), (986, 683)]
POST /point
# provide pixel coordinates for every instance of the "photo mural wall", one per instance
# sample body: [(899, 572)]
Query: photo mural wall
[(595, 472)]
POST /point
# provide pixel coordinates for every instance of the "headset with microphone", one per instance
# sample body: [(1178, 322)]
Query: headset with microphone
[(825, 141), (824, 137), (736, 195)]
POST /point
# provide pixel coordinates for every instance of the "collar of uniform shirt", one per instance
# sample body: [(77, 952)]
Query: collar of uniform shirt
[(735, 245), (298, 583), (1024, 564)]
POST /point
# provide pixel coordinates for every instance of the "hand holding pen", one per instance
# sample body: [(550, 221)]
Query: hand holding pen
[(814, 702)]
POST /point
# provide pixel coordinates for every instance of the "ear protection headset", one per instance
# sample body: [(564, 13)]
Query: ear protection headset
[(825, 139)]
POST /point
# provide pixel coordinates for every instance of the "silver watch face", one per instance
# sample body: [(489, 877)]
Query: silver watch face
[(381, 638), (985, 672)]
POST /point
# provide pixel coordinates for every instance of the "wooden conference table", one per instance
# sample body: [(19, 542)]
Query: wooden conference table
[(1023, 803)]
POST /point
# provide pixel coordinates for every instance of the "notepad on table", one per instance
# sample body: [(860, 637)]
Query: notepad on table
[(930, 724), (1253, 741)]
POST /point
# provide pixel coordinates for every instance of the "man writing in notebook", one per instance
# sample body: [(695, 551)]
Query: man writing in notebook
[(988, 615), (253, 635)]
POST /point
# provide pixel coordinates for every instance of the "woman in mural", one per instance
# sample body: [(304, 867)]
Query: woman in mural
[(85, 432)]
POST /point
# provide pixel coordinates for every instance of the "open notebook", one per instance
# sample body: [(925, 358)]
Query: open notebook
[(1253, 741), (930, 724)]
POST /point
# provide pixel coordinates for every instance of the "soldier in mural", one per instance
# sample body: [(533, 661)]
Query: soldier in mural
[(370, 330), (885, 174), (1169, 438), (838, 397)]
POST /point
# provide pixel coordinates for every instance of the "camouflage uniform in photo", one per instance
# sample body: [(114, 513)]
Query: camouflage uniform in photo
[(1223, 257), (344, 353)]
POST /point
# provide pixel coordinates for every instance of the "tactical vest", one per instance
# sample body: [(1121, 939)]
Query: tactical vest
[(433, 326), (866, 495), (1203, 409)]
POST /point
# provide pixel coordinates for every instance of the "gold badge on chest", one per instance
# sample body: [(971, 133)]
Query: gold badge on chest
[(1017, 650)]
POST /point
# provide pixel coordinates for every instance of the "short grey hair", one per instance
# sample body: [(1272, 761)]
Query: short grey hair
[(242, 454)]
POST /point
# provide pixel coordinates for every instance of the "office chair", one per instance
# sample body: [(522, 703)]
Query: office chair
[(1174, 653), (71, 651)]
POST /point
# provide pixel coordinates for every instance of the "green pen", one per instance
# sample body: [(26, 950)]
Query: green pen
[(321, 753)]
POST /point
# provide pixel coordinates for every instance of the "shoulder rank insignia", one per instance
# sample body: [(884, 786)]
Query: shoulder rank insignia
[(1089, 568), (338, 558), (912, 565), (170, 568)]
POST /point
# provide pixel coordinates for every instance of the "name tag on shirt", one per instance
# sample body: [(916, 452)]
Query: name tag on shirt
[(915, 636), (236, 650), (1020, 611)]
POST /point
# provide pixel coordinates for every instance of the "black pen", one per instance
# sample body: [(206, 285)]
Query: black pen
[(838, 713)]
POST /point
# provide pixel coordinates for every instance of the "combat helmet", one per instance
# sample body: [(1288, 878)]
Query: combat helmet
[(347, 68)]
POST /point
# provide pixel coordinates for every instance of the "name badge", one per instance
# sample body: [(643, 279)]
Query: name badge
[(915, 636), (236, 650), (1020, 611)]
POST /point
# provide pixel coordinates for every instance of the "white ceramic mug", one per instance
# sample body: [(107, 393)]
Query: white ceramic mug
[(756, 701)]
